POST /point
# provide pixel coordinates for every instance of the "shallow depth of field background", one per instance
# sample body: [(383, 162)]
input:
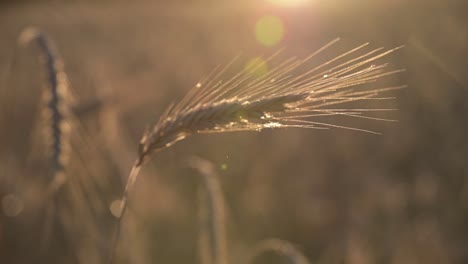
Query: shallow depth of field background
[(341, 196)]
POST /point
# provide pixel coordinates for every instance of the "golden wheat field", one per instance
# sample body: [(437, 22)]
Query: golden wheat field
[(217, 132)]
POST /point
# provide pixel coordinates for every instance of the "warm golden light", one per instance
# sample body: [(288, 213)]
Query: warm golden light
[(288, 3), (269, 30)]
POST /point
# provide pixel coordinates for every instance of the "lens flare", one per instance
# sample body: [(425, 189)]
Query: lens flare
[(12, 205), (224, 166), (269, 30)]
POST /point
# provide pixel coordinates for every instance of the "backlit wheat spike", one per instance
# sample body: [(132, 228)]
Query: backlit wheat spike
[(56, 108), (287, 96), (281, 247), (291, 94), (212, 238)]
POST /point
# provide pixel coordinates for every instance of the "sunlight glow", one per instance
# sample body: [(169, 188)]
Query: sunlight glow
[(288, 3)]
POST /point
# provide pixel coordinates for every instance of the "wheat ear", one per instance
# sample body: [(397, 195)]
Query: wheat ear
[(288, 95), (212, 240), (56, 109), (282, 247), (55, 122)]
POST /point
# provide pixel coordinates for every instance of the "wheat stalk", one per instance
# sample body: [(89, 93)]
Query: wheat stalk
[(212, 232), (65, 197), (288, 95), (54, 126)]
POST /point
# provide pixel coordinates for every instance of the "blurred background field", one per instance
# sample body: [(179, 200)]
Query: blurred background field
[(340, 196)]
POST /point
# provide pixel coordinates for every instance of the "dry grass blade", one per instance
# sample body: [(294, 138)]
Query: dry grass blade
[(212, 239), (285, 96), (282, 247)]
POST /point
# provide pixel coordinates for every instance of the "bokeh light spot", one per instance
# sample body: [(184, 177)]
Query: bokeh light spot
[(269, 30), (224, 166), (256, 67), (12, 205), (115, 208)]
